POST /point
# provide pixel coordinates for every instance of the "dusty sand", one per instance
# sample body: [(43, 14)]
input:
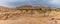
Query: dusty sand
[(34, 19)]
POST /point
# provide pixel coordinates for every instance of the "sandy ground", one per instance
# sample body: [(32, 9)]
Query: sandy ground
[(25, 20), (33, 19)]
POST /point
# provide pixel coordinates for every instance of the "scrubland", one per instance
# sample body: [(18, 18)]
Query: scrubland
[(29, 15)]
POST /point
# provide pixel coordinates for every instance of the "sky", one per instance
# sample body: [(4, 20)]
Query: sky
[(15, 3)]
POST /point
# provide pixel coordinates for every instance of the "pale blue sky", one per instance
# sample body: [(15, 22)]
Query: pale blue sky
[(14, 3)]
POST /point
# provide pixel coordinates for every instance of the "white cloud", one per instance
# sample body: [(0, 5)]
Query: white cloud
[(55, 1)]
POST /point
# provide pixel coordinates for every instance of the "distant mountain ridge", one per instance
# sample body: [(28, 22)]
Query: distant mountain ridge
[(31, 7)]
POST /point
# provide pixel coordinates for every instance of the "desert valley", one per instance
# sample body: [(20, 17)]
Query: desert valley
[(29, 15)]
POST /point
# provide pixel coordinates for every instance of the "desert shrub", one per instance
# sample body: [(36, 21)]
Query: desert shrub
[(27, 10), (40, 9), (57, 9)]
